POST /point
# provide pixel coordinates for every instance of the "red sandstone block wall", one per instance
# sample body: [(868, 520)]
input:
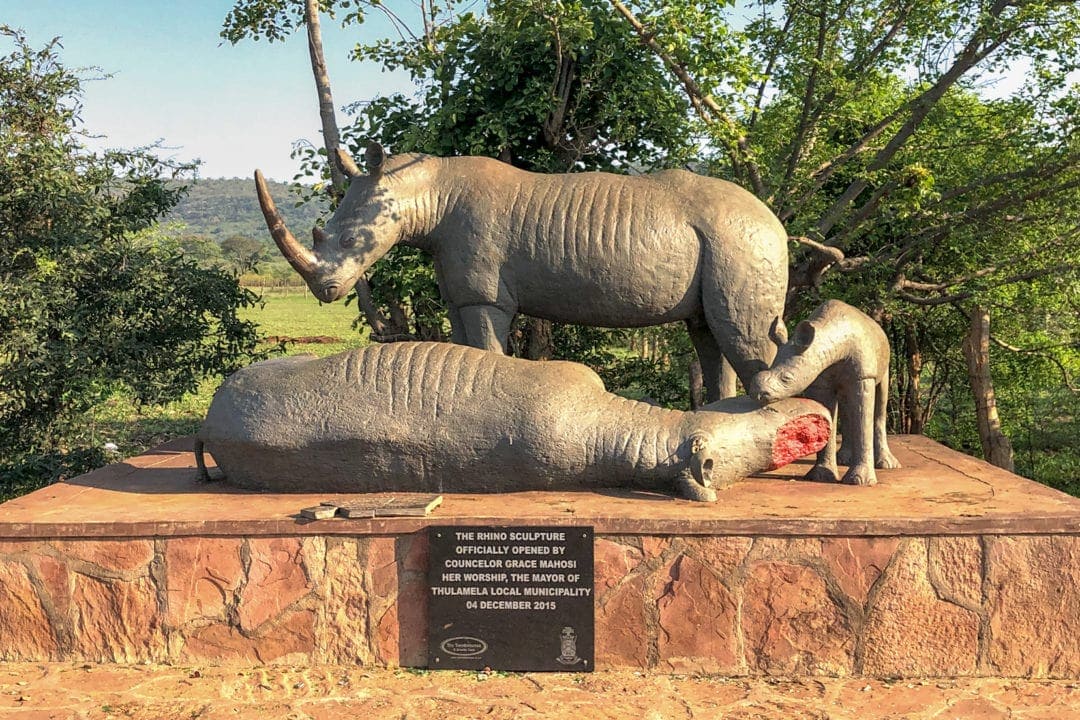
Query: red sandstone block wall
[(891, 607)]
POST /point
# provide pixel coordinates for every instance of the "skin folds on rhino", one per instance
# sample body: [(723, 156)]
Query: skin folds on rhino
[(589, 248), (437, 417)]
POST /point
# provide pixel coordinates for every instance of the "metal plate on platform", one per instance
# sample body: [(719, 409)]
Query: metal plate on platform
[(510, 598)]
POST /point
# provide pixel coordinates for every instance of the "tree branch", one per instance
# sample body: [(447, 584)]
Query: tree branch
[(796, 148), (834, 254), (808, 114), (1037, 171), (769, 66), (400, 26), (825, 257), (331, 137), (1009, 201), (960, 280), (1041, 352), (706, 106), (858, 68), (902, 284), (935, 232), (866, 211), (978, 48), (560, 90)]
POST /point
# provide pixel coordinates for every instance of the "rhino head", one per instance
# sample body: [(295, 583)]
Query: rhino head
[(374, 215), (793, 369)]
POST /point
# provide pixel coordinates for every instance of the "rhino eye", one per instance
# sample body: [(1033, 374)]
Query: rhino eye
[(348, 241), (787, 378)]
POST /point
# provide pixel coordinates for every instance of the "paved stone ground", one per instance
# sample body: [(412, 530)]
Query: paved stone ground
[(77, 690)]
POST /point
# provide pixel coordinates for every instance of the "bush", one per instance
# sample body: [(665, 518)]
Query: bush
[(89, 302)]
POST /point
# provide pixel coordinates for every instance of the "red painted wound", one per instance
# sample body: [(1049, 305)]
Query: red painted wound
[(798, 438)]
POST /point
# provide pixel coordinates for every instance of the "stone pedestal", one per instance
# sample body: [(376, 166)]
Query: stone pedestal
[(949, 567)]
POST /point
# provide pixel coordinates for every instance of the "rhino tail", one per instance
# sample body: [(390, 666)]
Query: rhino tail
[(200, 462)]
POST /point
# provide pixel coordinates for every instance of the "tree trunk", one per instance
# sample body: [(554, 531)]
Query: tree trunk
[(995, 445), (331, 136), (539, 339), (912, 415), (382, 329), (697, 385)]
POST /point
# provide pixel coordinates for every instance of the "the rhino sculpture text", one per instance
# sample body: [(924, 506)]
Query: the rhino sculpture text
[(840, 357), (436, 417), (589, 248)]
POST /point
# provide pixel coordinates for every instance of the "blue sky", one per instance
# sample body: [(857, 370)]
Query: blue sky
[(235, 107)]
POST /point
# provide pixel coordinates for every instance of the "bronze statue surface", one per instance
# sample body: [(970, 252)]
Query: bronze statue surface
[(438, 417), (589, 248), (840, 357)]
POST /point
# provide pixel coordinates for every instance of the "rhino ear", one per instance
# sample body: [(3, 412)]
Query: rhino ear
[(778, 331), (804, 335), (374, 158), (346, 164), (701, 460)]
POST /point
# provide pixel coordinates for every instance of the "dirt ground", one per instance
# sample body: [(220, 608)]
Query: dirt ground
[(78, 690)]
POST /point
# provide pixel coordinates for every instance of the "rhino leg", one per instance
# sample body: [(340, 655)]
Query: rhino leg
[(825, 469), (687, 488), (845, 455), (883, 457), (200, 462), (729, 387), (861, 432), (709, 356), (457, 326), (740, 309), (486, 326)]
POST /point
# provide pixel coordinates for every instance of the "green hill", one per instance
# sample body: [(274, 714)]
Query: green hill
[(219, 208)]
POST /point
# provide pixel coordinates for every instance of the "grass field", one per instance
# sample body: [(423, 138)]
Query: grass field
[(295, 315)]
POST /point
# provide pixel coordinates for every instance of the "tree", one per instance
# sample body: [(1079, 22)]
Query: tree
[(996, 446), (200, 249), (88, 303), (549, 87), (243, 253), (276, 19), (910, 192)]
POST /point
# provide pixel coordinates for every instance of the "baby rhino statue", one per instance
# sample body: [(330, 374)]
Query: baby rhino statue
[(436, 417), (839, 357)]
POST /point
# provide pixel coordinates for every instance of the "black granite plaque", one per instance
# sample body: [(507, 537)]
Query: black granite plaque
[(511, 598)]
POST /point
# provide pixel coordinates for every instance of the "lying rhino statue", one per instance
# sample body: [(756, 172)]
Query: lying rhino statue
[(589, 248), (436, 417)]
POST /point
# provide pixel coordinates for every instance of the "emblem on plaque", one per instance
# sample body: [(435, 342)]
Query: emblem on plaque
[(568, 647), (464, 647)]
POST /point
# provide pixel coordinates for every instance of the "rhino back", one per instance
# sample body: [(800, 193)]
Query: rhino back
[(845, 333), (619, 249), (405, 416)]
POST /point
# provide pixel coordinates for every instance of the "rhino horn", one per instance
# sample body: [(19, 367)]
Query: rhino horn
[(302, 259)]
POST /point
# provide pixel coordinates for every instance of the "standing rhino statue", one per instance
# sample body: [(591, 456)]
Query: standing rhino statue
[(437, 417), (839, 357), (588, 248)]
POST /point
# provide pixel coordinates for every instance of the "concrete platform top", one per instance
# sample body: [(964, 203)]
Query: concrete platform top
[(938, 492)]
